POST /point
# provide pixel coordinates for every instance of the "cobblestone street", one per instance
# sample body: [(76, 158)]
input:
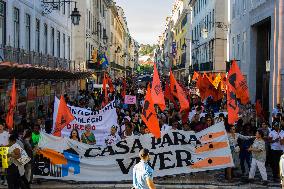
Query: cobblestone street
[(206, 180)]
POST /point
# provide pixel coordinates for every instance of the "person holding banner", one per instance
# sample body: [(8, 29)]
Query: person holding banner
[(16, 170), (74, 135), (258, 157), (113, 137), (88, 137), (143, 173)]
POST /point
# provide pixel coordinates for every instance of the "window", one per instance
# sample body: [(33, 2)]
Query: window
[(16, 28), (233, 48), (37, 36), (101, 6), (238, 45), (64, 46), (69, 48), (58, 44), (103, 10), (234, 9), (28, 32), (244, 4), (243, 46), (64, 9), (213, 18), (2, 23), (45, 39), (52, 42)]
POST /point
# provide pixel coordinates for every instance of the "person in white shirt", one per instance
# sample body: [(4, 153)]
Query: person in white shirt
[(281, 167), (113, 137), (164, 126), (274, 138), (4, 136)]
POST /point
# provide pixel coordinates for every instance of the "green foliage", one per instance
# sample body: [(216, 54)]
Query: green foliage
[(145, 69), (146, 49)]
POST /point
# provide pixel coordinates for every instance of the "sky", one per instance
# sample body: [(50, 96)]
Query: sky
[(146, 18)]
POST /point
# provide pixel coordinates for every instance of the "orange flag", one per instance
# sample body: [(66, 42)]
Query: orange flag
[(149, 115), (258, 109), (240, 83), (12, 106), (195, 76), (177, 92), (202, 86), (169, 96), (63, 118), (157, 91), (109, 82), (232, 104), (105, 81), (123, 93)]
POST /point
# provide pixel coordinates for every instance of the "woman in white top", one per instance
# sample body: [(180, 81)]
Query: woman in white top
[(235, 149), (16, 170)]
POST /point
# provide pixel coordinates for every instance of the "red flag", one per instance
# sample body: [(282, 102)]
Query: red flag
[(240, 83), (12, 106), (157, 91), (258, 109), (169, 96), (109, 81), (123, 93), (232, 104), (63, 118), (177, 92), (149, 115), (105, 81)]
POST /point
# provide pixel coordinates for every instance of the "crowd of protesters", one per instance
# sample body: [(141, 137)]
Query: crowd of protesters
[(255, 143)]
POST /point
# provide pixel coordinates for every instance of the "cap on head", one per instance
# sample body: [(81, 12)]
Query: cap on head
[(143, 153)]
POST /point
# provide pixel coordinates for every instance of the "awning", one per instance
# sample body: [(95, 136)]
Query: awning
[(9, 70)]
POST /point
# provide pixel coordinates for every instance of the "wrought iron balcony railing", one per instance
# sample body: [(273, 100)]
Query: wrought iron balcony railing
[(35, 59)]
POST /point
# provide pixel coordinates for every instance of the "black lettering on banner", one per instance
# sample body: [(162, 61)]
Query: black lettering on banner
[(167, 140), (109, 150), (154, 160), (87, 153), (163, 159), (155, 142), (136, 144), (125, 170), (177, 139), (193, 139), (123, 145), (179, 158)]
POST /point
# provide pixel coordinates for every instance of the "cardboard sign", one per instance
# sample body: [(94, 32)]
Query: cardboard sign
[(130, 99)]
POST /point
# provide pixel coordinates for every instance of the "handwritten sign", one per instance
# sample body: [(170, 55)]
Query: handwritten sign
[(130, 99), (4, 157)]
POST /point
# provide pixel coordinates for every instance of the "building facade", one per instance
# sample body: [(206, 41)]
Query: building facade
[(209, 35), (256, 41), (36, 49), (123, 48)]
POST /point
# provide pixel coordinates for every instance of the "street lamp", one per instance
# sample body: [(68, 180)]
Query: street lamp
[(50, 5), (75, 16)]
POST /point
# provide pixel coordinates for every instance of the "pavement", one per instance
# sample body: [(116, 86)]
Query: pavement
[(202, 180)]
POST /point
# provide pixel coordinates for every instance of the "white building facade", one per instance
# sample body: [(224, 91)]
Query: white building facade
[(256, 41), (209, 31), (26, 25)]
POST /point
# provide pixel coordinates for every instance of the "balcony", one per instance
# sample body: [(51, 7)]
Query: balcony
[(207, 66), (18, 63), (178, 66)]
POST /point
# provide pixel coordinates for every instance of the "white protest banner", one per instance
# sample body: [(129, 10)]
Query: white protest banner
[(129, 99), (176, 152), (101, 121)]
